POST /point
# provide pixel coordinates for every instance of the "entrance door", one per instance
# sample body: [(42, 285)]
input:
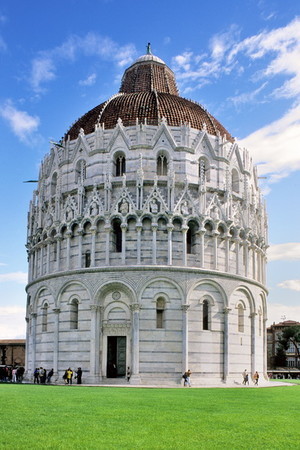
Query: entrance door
[(116, 356)]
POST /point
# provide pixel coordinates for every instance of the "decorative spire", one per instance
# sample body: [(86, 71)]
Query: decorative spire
[(149, 52)]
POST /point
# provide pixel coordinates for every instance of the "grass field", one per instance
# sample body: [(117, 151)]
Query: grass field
[(70, 417)]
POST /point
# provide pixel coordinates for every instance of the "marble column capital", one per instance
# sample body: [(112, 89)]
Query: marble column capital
[(185, 307), (135, 307)]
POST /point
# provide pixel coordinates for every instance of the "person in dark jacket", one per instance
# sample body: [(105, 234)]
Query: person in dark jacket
[(78, 375)]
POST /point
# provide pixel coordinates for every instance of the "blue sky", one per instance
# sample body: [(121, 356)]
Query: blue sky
[(240, 59)]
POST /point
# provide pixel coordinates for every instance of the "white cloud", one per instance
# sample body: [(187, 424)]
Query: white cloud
[(292, 285), (276, 146), (12, 322), (284, 252), (248, 97), (45, 65), (278, 312), (17, 277), (264, 56), (43, 69), (22, 123), (89, 81)]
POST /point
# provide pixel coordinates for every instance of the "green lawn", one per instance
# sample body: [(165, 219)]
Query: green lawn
[(70, 417)]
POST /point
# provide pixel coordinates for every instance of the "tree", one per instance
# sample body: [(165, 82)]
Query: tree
[(280, 357), (291, 335)]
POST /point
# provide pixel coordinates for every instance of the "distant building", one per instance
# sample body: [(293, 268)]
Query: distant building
[(273, 336), (12, 352)]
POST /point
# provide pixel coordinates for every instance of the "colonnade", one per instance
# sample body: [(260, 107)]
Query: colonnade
[(245, 258)]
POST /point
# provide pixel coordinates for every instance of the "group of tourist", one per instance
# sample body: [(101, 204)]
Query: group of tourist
[(12, 374), (40, 375), (245, 376), (68, 376)]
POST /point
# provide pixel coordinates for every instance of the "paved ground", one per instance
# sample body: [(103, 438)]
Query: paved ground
[(263, 384)]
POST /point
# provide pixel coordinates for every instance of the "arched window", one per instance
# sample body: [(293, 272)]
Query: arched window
[(53, 184), (74, 314), (205, 315), (162, 165), (80, 171), (208, 227), (120, 165), (45, 317), (240, 318), (191, 238), (235, 181), (87, 259), (160, 312), (116, 236)]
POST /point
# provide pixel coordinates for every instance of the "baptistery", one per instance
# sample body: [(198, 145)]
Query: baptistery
[(147, 239)]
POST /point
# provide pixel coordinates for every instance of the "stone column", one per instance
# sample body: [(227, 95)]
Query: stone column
[(253, 352), (30, 277), (79, 262), (59, 239), (107, 229), (237, 255), (124, 229), (226, 344), (253, 262), (98, 342), (138, 243), (246, 249), (135, 377), (226, 253), (56, 340), (185, 337), (68, 235), (201, 233), (48, 256), (28, 370), (93, 249), (170, 245), (154, 229), (42, 260), (94, 309), (215, 244), (33, 341), (184, 230)]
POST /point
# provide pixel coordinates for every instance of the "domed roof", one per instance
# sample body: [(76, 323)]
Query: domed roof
[(148, 93)]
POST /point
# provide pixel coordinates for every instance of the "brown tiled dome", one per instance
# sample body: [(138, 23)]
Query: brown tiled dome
[(148, 93)]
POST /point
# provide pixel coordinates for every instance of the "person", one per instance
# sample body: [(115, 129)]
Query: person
[(36, 376), (14, 375), (69, 375), (255, 378), (43, 375), (65, 377), (128, 374), (78, 375), (20, 374), (187, 378), (50, 375), (245, 377)]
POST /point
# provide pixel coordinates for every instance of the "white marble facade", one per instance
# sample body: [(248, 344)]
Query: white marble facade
[(147, 248)]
